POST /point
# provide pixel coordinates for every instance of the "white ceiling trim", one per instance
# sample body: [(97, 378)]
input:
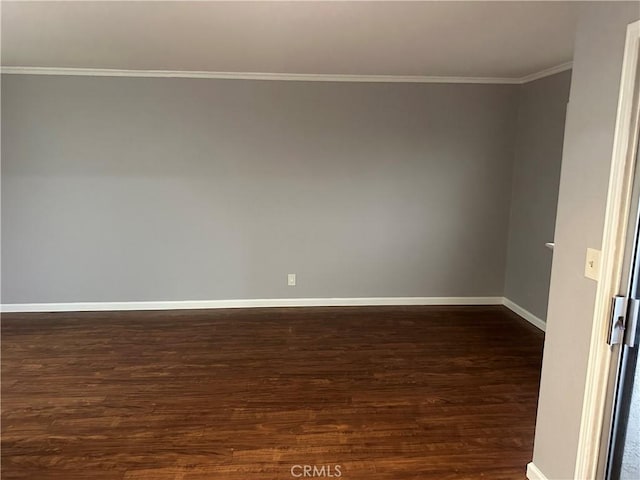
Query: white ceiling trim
[(563, 67), (300, 77)]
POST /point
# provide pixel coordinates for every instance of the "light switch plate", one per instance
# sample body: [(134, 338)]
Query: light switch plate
[(291, 279), (592, 264)]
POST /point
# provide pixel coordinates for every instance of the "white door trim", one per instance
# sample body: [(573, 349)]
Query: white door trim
[(614, 235)]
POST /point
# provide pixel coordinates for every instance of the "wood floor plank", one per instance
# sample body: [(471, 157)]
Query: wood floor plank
[(442, 393)]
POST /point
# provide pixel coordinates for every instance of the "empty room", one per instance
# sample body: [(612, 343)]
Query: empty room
[(320, 239)]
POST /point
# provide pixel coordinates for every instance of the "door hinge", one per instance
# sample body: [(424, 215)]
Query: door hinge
[(618, 320)]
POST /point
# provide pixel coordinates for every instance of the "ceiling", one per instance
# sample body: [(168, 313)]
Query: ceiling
[(459, 38)]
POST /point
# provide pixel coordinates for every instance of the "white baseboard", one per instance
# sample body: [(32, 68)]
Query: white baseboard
[(527, 315), (246, 303), (269, 302), (534, 473)]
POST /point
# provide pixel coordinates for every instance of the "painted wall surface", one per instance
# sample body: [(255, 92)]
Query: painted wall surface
[(586, 162), (133, 189), (536, 178)]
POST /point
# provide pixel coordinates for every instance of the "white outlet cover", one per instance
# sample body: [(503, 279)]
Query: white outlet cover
[(592, 264), (291, 279)]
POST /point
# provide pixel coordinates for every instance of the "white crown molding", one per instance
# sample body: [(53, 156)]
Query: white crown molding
[(547, 72), (246, 303), (527, 315), (299, 77)]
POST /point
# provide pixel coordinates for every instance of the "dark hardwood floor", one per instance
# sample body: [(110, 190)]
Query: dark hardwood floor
[(391, 393)]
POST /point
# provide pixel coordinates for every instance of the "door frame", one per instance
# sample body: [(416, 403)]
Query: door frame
[(616, 224)]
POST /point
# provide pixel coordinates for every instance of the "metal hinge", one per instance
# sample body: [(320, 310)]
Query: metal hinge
[(618, 320)]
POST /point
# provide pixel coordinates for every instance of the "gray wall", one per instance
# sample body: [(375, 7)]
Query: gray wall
[(118, 189), (536, 179), (586, 162)]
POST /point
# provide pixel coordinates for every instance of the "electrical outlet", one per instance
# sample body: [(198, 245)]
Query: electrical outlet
[(592, 264), (291, 279)]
